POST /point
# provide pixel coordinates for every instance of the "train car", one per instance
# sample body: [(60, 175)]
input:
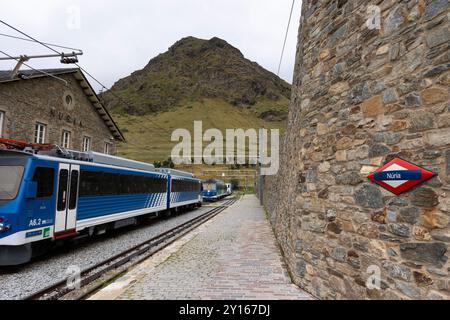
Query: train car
[(184, 189), (214, 190), (46, 198)]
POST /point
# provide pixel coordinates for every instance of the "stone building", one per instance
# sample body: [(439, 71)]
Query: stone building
[(58, 107), (372, 82)]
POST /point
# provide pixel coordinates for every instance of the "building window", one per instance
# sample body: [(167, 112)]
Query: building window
[(39, 133), (2, 120), (69, 100), (107, 148), (86, 144), (66, 139)]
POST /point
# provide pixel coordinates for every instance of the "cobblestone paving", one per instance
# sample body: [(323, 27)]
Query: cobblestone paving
[(234, 257)]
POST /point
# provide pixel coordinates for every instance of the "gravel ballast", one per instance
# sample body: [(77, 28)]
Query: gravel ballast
[(18, 283)]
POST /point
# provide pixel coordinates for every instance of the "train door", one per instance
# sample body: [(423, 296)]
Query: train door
[(169, 191), (67, 200)]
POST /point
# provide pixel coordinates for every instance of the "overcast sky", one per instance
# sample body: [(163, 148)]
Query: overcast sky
[(119, 37)]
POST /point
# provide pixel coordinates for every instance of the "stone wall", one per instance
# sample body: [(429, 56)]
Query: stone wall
[(270, 199), (42, 100), (361, 97)]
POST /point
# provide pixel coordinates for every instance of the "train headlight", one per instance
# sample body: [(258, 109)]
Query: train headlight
[(3, 226)]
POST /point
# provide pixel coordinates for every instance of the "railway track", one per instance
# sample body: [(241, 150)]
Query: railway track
[(94, 278)]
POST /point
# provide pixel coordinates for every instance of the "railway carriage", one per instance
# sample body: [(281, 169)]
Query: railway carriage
[(184, 189), (44, 198), (214, 190)]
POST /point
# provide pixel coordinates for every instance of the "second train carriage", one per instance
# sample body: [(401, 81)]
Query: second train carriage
[(184, 189), (45, 198), (214, 190)]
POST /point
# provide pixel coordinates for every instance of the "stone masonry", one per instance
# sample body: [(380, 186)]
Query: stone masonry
[(363, 94), (42, 100)]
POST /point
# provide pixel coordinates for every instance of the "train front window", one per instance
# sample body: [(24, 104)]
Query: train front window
[(44, 177), (10, 177), (209, 187)]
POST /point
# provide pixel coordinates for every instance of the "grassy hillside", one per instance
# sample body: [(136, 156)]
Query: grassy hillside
[(149, 143)]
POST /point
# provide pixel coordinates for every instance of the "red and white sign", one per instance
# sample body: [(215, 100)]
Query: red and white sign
[(399, 176)]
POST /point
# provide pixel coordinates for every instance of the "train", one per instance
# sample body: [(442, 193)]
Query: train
[(214, 190), (47, 197)]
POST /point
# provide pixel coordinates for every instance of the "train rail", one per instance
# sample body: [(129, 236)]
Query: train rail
[(95, 277)]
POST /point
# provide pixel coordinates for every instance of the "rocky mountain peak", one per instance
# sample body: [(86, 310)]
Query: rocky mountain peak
[(193, 68)]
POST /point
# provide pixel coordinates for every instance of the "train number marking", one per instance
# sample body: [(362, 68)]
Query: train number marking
[(35, 222)]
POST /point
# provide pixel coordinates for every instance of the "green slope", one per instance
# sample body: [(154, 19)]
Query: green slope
[(149, 136)]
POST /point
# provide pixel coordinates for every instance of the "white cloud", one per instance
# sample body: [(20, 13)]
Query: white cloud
[(119, 37)]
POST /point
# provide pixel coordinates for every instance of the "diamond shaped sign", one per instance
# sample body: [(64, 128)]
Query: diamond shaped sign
[(399, 176)]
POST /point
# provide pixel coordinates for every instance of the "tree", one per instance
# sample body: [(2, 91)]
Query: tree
[(157, 164), (235, 182), (165, 164), (168, 164)]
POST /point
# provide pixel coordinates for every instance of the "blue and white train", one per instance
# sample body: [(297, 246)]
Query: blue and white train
[(46, 198), (214, 190)]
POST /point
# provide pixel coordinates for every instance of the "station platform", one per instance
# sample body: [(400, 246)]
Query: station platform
[(234, 256)]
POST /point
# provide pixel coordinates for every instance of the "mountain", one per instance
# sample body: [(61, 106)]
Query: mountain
[(193, 69), (195, 80)]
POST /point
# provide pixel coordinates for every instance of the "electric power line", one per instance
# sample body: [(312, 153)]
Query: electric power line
[(49, 44), (81, 68), (39, 71), (28, 36), (285, 39), (118, 97)]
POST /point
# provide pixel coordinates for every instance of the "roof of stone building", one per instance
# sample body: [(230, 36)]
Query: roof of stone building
[(5, 75), (23, 75)]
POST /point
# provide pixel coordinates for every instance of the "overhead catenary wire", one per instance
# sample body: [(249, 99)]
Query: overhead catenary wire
[(39, 71), (118, 97), (285, 38), (48, 46), (28, 36)]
